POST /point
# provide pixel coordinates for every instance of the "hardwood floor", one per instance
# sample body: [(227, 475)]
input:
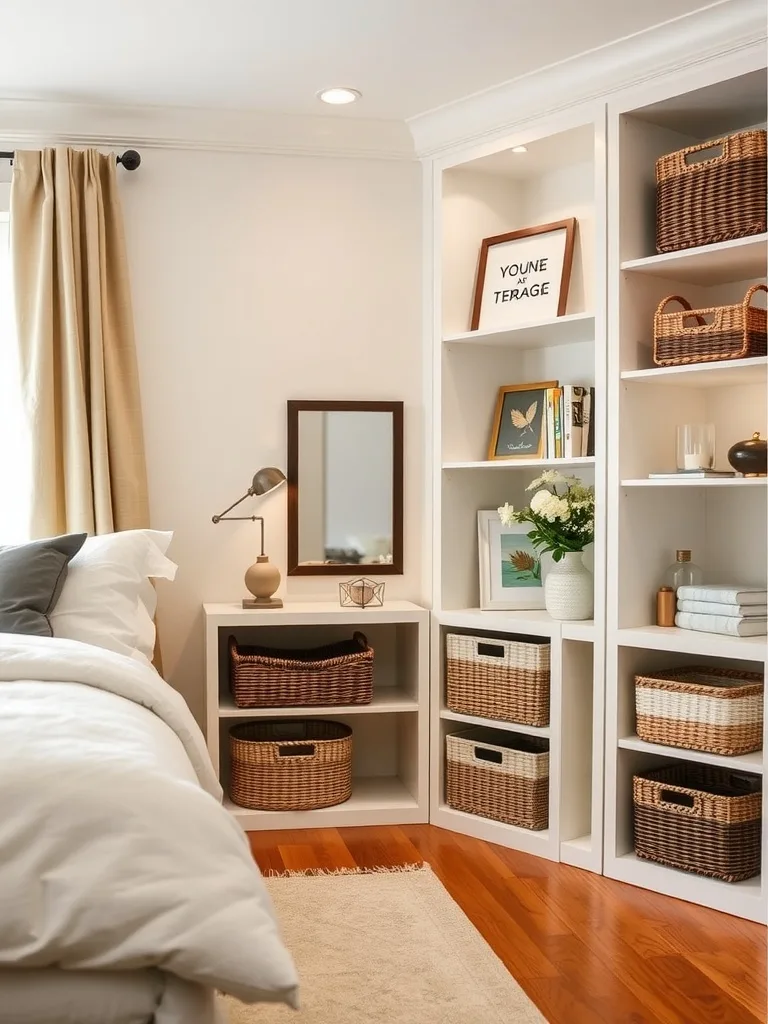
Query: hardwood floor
[(587, 950)]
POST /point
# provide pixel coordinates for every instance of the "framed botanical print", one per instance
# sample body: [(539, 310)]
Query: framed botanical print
[(523, 276), (510, 566), (519, 423)]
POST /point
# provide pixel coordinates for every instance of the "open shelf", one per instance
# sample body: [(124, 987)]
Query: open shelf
[(490, 723), (538, 843), (722, 481), (689, 641), (536, 623), (742, 762), (723, 374), (385, 700), (562, 330), (588, 460), (577, 852), (375, 801), (738, 259)]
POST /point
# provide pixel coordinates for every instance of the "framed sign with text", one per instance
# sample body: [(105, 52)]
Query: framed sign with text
[(523, 276)]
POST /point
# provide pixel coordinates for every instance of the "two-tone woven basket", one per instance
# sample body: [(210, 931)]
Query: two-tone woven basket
[(334, 675), (699, 818), (701, 201), (290, 765), (719, 710), (687, 335), (506, 680), (499, 775)]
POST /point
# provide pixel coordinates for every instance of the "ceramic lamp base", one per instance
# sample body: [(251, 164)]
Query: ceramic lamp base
[(262, 602)]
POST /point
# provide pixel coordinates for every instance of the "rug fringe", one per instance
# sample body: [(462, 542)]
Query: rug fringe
[(312, 872)]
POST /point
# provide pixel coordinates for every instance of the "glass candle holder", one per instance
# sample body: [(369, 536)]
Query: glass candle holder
[(695, 446)]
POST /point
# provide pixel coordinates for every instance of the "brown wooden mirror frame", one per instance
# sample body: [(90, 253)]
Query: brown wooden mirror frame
[(393, 568)]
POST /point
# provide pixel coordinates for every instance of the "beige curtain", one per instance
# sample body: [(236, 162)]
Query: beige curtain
[(77, 352)]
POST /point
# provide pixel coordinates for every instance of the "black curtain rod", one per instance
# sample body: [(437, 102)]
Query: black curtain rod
[(130, 159)]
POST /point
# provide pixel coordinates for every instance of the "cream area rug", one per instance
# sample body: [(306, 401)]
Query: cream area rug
[(388, 947)]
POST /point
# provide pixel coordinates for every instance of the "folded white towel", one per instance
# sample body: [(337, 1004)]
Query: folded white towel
[(726, 624), (738, 611), (724, 593)]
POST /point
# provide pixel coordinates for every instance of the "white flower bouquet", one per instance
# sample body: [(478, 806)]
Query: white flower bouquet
[(562, 513)]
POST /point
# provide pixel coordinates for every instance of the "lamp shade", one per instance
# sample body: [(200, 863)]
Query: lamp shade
[(266, 479)]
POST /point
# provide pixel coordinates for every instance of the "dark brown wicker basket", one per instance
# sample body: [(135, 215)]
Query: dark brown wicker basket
[(335, 675), (711, 200), (499, 775), (684, 336), (506, 680), (290, 765), (699, 818), (719, 710)]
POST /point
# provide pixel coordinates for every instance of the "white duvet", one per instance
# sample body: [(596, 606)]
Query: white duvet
[(115, 852)]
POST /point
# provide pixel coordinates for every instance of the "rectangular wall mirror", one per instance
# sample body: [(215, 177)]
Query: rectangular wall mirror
[(345, 488)]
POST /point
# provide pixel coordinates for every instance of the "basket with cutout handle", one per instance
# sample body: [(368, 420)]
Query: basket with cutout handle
[(711, 192), (290, 764), (701, 818), (688, 335)]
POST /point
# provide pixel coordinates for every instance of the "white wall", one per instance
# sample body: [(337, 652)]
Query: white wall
[(257, 279)]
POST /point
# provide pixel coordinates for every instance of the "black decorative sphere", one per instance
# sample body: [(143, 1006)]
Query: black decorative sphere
[(750, 457), (130, 159)]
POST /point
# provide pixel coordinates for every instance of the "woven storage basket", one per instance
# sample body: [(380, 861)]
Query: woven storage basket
[(499, 775), (700, 818), (292, 765), (735, 332), (719, 710), (507, 680), (338, 674), (711, 200)]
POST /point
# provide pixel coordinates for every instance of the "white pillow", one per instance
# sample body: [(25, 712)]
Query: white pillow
[(108, 599)]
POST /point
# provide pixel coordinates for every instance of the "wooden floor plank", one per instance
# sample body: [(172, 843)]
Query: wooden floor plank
[(586, 949)]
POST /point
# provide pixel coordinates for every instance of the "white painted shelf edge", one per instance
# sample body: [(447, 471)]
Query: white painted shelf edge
[(722, 481), (722, 373), (537, 622), (588, 460), (739, 762), (309, 613), (562, 330), (538, 843), (732, 260), (689, 641), (491, 723), (386, 700)]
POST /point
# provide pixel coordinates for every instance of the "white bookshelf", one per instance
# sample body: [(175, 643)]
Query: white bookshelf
[(723, 521), (477, 192), (390, 735)]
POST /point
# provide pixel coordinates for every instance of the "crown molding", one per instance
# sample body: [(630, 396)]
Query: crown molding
[(727, 29), (28, 122)]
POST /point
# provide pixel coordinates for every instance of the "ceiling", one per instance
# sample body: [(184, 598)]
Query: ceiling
[(405, 56)]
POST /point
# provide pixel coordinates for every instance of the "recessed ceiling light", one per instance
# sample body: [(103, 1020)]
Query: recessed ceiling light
[(339, 96), (519, 149)]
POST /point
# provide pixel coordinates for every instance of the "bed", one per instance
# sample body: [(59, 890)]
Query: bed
[(128, 895)]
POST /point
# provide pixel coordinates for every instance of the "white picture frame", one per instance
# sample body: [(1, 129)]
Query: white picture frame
[(523, 276), (513, 590)]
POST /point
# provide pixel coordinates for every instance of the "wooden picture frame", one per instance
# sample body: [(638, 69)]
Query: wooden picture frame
[(510, 567), (513, 438), (295, 566), (505, 295)]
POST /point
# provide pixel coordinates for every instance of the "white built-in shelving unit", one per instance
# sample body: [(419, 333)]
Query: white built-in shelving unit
[(390, 735), (723, 521), (482, 191)]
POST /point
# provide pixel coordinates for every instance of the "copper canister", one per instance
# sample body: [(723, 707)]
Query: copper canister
[(666, 606)]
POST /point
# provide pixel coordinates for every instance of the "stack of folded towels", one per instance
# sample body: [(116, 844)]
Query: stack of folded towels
[(722, 608)]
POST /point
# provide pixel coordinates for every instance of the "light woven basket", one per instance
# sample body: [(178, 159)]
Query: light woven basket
[(506, 680), (719, 710), (334, 675), (699, 818), (291, 765), (699, 202), (735, 332), (499, 775)]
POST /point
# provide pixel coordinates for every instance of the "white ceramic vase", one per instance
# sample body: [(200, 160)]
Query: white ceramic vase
[(569, 588)]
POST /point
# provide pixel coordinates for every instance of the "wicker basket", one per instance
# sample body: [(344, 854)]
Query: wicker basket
[(719, 710), (292, 765), (499, 775), (507, 680), (338, 674), (711, 200), (699, 818), (736, 332)]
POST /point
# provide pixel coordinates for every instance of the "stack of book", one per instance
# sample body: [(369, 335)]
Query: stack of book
[(569, 422), (722, 608)]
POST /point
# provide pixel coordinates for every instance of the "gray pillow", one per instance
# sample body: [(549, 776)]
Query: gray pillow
[(31, 578)]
